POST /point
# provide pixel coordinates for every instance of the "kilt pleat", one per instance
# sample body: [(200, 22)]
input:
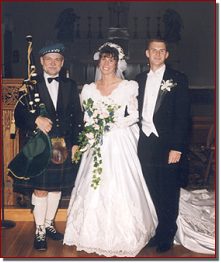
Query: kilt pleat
[(57, 177)]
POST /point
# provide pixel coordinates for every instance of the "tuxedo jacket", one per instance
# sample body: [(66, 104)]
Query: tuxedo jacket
[(171, 113), (67, 118)]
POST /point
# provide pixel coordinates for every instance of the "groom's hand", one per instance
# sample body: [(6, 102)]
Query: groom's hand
[(174, 157)]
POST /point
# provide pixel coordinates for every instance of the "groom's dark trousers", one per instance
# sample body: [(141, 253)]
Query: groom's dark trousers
[(163, 183)]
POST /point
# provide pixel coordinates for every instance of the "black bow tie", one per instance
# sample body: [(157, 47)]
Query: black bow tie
[(50, 79)]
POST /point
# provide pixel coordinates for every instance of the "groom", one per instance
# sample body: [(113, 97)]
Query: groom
[(164, 118)]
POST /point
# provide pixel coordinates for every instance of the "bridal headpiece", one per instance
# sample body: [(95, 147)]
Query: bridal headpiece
[(122, 64)]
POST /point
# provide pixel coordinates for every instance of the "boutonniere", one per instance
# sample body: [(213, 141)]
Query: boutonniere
[(167, 85)]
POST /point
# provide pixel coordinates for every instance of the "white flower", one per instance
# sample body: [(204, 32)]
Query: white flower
[(90, 135), (167, 84), (104, 114), (95, 113), (84, 149), (91, 142), (96, 127), (88, 121)]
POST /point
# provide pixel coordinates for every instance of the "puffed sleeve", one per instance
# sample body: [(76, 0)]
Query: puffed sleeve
[(131, 106), (86, 93)]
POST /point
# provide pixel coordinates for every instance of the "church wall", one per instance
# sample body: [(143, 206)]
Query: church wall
[(193, 54)]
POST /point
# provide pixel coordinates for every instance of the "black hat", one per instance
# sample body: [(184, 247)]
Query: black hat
[(33, 159), (52, 48)]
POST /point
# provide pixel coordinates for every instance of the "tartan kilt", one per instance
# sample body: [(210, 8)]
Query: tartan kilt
[(57, 177)]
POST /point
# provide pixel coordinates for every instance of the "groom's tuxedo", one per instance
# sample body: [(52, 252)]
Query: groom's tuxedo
[(171, 119), (171, 113)]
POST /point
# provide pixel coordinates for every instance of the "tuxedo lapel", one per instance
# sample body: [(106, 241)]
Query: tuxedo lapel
[(142, 84), (160, 97), (161, 93)]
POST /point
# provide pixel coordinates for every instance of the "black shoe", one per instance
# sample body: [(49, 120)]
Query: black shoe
[(152, 242), (163, 247), (53, 234), (40, 242)]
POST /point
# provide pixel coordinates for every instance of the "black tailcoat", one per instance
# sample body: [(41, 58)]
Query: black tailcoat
[(171, 113), (171, 119)]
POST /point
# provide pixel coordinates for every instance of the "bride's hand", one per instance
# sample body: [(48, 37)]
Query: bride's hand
[(73, 150)]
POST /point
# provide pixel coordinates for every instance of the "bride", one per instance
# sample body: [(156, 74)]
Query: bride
[(110, 211)]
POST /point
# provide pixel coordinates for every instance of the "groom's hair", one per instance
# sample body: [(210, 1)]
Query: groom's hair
[(157, 40)]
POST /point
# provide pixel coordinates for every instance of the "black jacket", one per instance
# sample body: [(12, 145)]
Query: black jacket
[(171, 114), (67, 119)]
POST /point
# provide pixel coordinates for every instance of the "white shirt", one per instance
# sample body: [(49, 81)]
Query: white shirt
[(152, 87), (52, 88)]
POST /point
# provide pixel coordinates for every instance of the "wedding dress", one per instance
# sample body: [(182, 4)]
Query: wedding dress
[(118, 218)]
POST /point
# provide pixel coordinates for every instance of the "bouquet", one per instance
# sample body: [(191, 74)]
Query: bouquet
[(99, 119)]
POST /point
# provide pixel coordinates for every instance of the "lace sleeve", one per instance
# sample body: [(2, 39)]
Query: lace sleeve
[(132, 107), (85, 94)]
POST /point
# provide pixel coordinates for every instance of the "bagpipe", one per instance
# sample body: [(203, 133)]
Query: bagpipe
[(28, 92), (33, 159), (29, 87)]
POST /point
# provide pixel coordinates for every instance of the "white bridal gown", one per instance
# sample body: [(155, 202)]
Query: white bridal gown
[(118, 218)]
